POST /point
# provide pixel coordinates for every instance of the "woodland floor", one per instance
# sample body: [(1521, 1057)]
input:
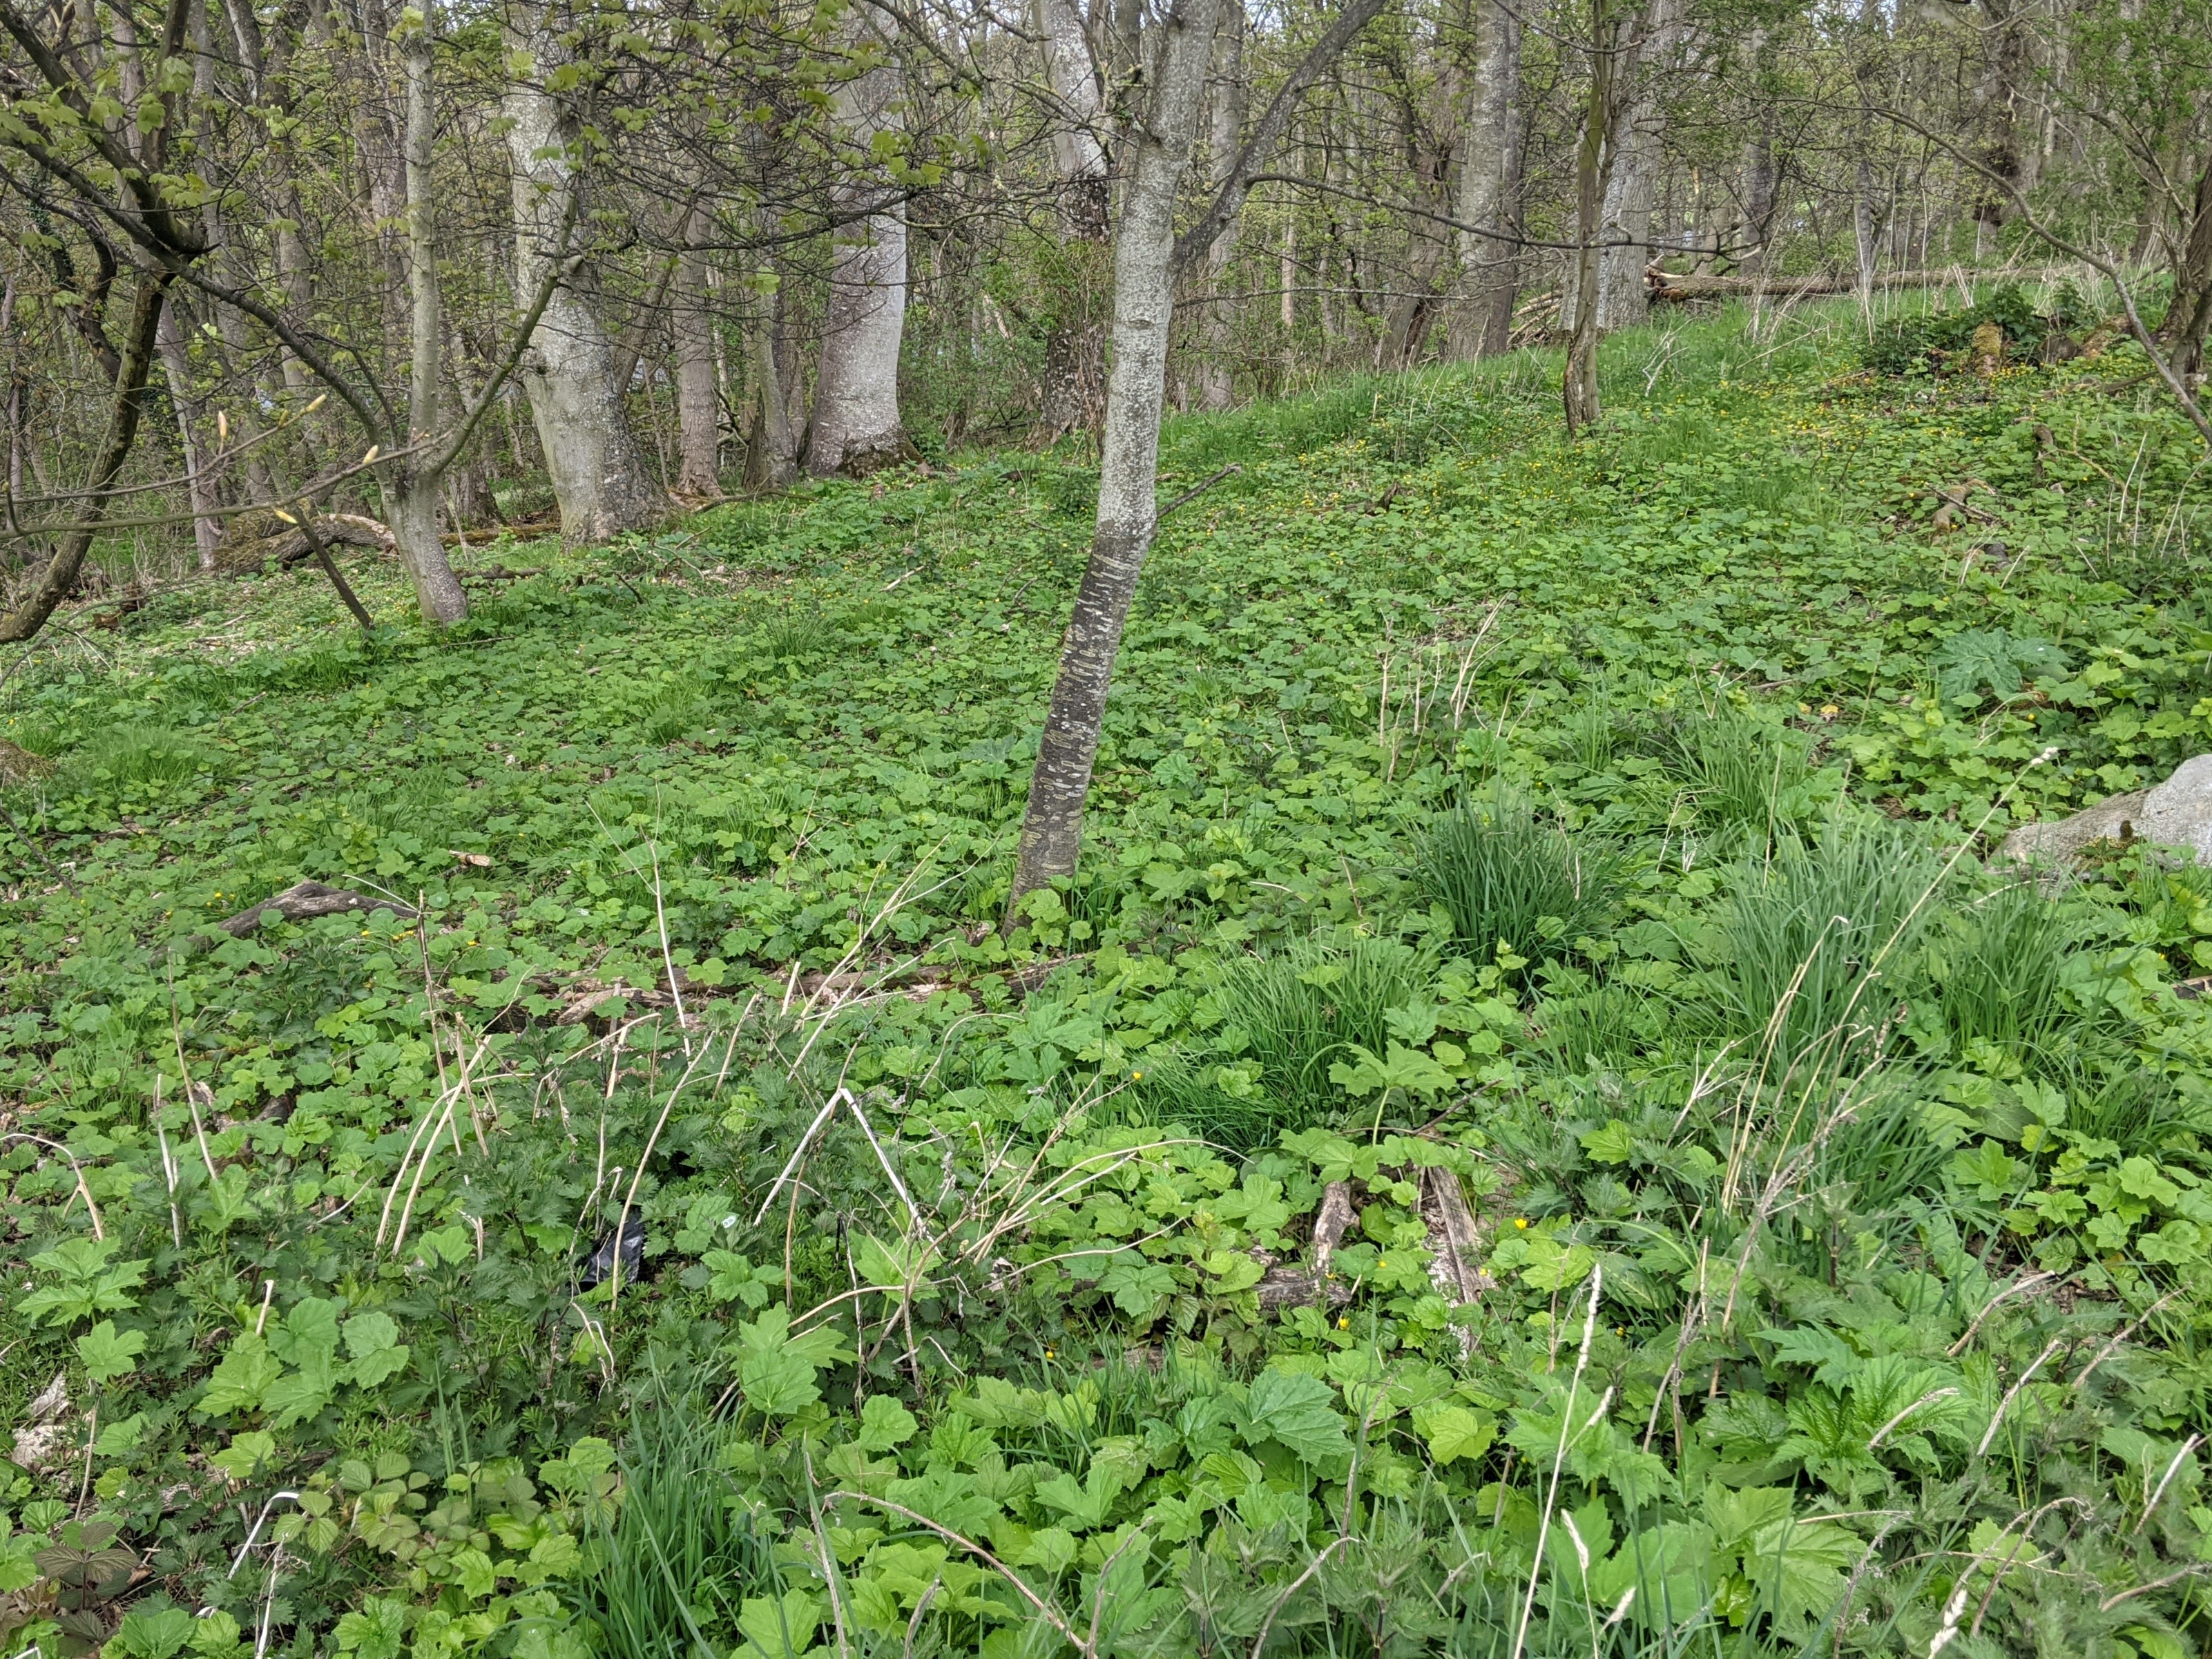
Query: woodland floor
[(1713, 715)]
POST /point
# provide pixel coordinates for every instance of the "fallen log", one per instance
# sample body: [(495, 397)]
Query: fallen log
[(1672, 288), (305, 900), (257, 538)]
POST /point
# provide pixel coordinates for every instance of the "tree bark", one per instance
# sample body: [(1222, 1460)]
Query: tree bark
[(1075, 386), (411, 484), (856, 428), (698, 409), (1489, 189), (772, 448), (593, 459), (1593, 163), (1216, 382), (1144, 309), (1625, 220), (2189, 315), (207, 528)]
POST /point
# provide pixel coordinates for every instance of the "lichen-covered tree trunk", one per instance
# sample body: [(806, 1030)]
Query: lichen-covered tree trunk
[(856, 428), (1144, 309), (593, 458)]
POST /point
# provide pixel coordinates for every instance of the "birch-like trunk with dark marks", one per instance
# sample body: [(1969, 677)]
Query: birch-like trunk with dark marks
[(1144, 309)]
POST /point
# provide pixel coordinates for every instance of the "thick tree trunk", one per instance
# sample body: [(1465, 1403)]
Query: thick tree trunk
[(593, 459), (1075, 386), (2012, 146), (207, 528), (135, 362), (856, 428), (698, 409), (1144, 309), (2189, 316), (1489, 188), (1216, 381), (1625, 220), (410, 513)]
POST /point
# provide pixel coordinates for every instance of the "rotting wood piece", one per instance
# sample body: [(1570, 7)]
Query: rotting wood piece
[(1289, 1286), (1457, 1243), (305, 901)]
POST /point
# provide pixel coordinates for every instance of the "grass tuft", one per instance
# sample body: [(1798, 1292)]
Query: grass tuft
[(1507, 877)]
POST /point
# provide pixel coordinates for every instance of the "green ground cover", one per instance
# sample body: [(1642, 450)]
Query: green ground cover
[(1598, 828)]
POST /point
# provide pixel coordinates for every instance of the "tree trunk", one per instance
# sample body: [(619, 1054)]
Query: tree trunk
[(772, 448), (1625, 220), (856, 428), (1758, 222), (1489, 189), (698, 410), (1593, 162), (593, 459), (2189, 316), (1144, 309), (206, 529), (1074, 387), (408, 484), (1862, 227), (134, 362), (1216, 382)]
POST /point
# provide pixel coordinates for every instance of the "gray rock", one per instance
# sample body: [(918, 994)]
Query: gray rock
[(2056, 840), (2178, 812)]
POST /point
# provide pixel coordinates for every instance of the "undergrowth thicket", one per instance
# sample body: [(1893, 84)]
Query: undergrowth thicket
[(700, 1231)]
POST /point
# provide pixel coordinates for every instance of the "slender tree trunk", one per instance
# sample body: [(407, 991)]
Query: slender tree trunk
[(135, 362), (1862, 226), (856, 428), (410, 485), (1075, 386), (1216, 381), (206, 529), (598, 470), (1144, 309), (1489, 188), (1593, 162), (698, 410)]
